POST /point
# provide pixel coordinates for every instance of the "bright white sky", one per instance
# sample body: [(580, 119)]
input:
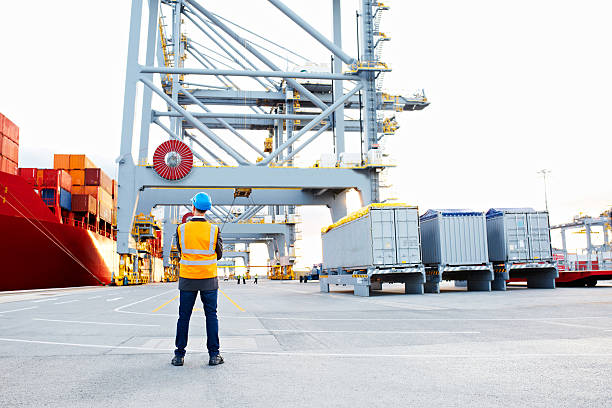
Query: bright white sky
[(515, 88)]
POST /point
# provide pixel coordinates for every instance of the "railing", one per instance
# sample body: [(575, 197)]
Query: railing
[(93, 228), (577, 266)]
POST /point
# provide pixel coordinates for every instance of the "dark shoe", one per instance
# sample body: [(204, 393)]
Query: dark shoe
[(178, 361), (215, 360)]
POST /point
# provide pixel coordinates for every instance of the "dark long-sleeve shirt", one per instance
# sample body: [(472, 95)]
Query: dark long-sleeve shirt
[(200, 284)]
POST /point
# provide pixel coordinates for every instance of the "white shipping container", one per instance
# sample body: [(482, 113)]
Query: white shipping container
[(268, 219), (279, 218), (454, 237), (381, 237), (518, 234)]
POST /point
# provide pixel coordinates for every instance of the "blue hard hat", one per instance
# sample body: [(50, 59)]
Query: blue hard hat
[(201, 201)]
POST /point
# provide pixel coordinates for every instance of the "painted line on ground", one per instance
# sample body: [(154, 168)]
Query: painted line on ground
[(120, 308), (165, 304), (114, 299), (67, 301), (19, 310), (495, 356), (95, 297), (100, 323), (581, 326), (234, 303), (44, 300), (365, 331)]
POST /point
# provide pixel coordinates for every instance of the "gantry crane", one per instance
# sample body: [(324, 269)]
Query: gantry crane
[(230, 68)]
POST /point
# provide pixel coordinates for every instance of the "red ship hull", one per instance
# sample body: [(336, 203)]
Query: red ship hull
[(38, 251)]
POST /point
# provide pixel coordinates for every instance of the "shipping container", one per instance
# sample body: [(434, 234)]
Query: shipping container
[(105, 212), (53, 178), (8, 166), (97, 177), (9, 149), (80, 161), (454, 237), (376, 236), (61, 161), (84, 203), (29, 175), (518, 235), (10, 130), (39, 176), (78, 177), (279, 218), (49, 196), (98, 193)]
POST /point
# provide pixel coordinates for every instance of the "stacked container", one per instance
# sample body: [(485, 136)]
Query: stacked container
[(455, 248), (520, 247), (9, 145), (94, 191)]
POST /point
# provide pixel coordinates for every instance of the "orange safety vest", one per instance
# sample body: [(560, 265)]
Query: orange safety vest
[(198, 257)]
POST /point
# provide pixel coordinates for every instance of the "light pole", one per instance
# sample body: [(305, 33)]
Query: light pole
[(544, 172)]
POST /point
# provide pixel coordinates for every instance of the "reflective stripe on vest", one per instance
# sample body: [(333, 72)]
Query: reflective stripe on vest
[(198, 257)]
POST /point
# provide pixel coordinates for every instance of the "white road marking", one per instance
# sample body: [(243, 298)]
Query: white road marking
[(67, 301), (495, 356), (100, 323), (365, 331), (19, 310), (95, 297), (119, 309), (45, 300), (114, 299), (574, 325)]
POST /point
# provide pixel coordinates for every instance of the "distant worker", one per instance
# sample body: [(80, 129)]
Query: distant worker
[(238, 279), (201, 247), (256, 276), (244, 279)]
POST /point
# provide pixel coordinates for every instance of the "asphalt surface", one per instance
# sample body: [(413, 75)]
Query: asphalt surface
[(286, 344)]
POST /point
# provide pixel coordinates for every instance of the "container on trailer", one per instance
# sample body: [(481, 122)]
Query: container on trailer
[(268, 219), (518, 235), (80, 161), (348, 159), (9, 149), (50, 197), (61, 161), (29, 175), (97, 177), (279, 218), (454, 237), (379, 235), (84, 203), (78, 177)]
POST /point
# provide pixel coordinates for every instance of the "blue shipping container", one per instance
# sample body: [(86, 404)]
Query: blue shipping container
[(65, 198)]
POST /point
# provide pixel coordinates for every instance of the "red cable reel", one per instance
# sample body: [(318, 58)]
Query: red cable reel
[(173, 160)]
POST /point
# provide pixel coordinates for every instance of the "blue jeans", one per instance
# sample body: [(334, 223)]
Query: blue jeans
[(187, 301)]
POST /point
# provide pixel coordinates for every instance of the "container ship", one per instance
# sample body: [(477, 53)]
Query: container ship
[(58, 225)]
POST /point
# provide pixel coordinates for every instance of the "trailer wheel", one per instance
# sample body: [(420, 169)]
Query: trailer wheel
[(591, 282)]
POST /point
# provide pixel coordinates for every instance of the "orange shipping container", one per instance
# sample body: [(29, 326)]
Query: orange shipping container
[(78, 177), (10, 150), (40, 173), (61, 161), (8, 166), (80, 161), (98, 193), (10, 130)]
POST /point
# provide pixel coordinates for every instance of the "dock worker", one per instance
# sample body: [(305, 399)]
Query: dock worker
[(256, 276), (201, 247), (244, 279), (238, 279)]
